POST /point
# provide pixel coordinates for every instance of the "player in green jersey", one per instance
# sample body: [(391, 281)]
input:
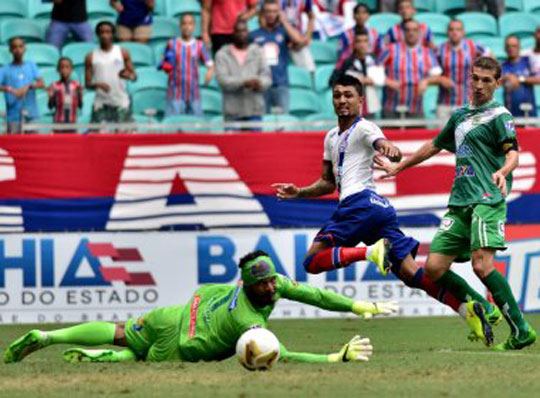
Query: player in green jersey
[(483, 137), (208, 327)]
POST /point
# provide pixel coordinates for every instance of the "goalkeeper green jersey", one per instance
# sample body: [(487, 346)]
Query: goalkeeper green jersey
[(476, 136), (217, 315)]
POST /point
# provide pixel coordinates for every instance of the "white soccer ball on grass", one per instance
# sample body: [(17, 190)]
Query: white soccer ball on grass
[(257, 349)]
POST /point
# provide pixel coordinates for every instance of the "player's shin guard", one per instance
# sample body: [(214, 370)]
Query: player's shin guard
[(334, 258), (462, 290), (90, 334), (421, 281)]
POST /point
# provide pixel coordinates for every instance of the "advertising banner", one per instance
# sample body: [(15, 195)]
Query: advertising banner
[(200, 181), (114, 276)]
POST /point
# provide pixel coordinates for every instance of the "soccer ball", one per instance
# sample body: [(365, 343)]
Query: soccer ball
[(257, 349)]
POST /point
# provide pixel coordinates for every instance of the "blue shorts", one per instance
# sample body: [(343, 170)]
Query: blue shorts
[(367, 217)]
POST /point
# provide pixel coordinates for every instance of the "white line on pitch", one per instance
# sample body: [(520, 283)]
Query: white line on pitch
[(513, 354)]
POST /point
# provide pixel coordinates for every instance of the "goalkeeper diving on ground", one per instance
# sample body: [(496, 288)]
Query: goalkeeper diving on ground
[(209, 325)]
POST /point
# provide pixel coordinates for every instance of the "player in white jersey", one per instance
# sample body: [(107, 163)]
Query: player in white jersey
[(362, 214)]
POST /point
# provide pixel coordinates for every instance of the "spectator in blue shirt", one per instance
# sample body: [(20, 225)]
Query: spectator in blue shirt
[(518, 79), (134, 21), (274, 36), (18, 80)]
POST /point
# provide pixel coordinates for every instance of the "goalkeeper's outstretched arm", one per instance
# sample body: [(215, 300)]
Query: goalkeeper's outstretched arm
[(358, 349)]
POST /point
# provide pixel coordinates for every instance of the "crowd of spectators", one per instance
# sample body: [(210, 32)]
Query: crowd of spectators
[(251, 66)]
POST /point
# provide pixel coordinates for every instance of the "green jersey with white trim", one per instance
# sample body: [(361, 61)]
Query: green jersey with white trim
[(217, 315), (476, 136)]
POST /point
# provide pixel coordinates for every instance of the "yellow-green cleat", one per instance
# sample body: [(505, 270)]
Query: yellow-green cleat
[(32, 341), (74, 355), (517, 344), (477, 321), (380, 256)]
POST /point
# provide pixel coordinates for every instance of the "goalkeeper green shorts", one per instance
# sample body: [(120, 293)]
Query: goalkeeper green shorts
[(466, 229), (155, 336)]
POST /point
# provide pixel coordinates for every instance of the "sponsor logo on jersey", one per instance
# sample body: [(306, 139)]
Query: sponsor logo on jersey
[(510, 126), (377, 200), (446, 224), (465, 170), (501, 228)]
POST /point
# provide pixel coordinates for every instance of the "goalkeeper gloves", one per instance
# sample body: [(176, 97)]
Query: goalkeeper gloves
[(367, 310), (357, 350)]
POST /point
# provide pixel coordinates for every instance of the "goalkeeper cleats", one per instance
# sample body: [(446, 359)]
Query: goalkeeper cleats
[(32, 341), (517, 344), (380, 256), (477, 321), (74, 355)]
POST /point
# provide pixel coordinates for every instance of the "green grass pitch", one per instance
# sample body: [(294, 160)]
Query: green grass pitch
[(414, 357)]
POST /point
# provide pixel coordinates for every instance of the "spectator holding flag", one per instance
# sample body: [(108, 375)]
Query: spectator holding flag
[(181, 63)]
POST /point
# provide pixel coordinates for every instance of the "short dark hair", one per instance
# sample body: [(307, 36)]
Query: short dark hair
[(489, 64), (10, 41), (344, 79), (251, 256), (103, 23), (360, 6), (398, 2), (64, 59), (265, 2)]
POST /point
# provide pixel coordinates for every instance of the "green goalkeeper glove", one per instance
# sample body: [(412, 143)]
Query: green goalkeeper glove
[(367, 310), (357, 350)]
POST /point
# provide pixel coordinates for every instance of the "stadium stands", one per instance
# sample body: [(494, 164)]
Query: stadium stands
[(37, 9), (383, 21), (141, 54), (479, 24), (28, 29), (517, 23)]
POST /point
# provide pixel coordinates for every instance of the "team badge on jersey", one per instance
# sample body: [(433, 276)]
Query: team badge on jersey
[(501, 228), (510, 126)]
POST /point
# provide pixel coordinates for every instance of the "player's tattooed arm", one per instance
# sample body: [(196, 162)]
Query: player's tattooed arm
[(386, 148), (323, 186)]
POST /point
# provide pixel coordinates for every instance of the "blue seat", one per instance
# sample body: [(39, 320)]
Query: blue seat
[(303, 102), (323, 53), (5, 55), (50, 75), (99, 9), (438, 23), (450, 7), (141, 54), (27, 29), (424, 5), (149, 78), (495, 44), (280, 123), (77, 52), (299, 77), (150, 101), (383, 21), (42, 100), (88, 102), (253, 24), (517, 23), (163, 29), (325, 121), (527, 43), (159, 49), (42, 54), (530, 6), (322, 76), (478, 24), (371, 4), (430, 102), (212, 84), (325, 100), (12, 9), (517, 5), (211, 102), (159, 8), (37, 9), (175, 8)]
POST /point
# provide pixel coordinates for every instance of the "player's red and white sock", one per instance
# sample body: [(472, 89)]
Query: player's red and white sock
[(334, 258)]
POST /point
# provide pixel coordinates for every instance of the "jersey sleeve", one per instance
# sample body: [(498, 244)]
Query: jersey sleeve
[(327, 154), (371, 133), (505, 129), (321, 298), (445, 139)]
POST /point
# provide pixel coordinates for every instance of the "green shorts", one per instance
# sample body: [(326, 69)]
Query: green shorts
[(466, 229), (111, 114), (155, 336)]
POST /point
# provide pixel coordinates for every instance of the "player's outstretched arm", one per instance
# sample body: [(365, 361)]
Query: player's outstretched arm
[(423, 153), (323, 186), (358, 349), (386, 148), (331, 301)]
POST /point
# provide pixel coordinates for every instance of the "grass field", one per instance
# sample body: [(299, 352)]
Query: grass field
[(420, 357)]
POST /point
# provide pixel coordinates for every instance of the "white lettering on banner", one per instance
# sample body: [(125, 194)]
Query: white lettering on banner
[(219, 197), (112, 276), (10, 216)]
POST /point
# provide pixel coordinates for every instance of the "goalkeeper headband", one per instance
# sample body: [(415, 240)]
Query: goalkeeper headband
[(258, 269)]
